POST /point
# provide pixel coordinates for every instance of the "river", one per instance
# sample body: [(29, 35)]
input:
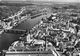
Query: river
[(6, 38)]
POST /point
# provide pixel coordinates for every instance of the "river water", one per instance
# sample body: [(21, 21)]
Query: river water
[(6, 38)]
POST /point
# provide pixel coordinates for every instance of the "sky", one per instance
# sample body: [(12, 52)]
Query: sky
[(61, 0), (47, 0)]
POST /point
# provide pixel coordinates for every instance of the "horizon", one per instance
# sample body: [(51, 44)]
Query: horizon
[(60, 1)]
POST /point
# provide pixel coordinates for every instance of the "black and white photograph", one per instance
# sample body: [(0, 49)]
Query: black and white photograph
[(39, 27)]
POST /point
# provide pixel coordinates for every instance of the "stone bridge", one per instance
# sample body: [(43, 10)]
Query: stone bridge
[(15, 31)]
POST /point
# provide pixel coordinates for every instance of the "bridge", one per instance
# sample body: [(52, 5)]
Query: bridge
[(27, 53), (37, 15), (14, 31)]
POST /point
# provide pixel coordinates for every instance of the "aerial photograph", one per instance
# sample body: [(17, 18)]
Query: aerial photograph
[(39, 27)]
